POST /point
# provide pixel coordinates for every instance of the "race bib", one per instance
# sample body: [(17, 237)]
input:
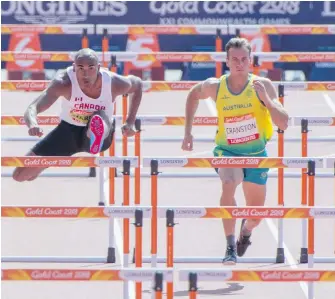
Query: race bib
[(241, 129), (80, 116)]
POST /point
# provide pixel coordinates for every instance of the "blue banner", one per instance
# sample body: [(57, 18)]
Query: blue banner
[(168, 12)]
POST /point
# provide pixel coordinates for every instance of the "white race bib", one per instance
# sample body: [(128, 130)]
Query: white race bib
[(241, 129)]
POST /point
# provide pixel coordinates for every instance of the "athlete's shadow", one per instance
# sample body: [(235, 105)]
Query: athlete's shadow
[(232, 287)]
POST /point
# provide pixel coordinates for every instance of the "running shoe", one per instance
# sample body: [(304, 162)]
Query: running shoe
[(243, 242), (230, 258), (97, 130)]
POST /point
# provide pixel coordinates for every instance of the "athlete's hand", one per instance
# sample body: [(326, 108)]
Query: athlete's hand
[(259, 87), (127, 130), (187, 143), (35, 131)]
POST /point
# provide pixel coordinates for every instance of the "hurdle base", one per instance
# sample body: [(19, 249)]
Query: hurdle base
[(280, 258), (303, 256), (53, 259), (111, 255), (324, 259), (92, 173), (271, 260), (101, 204)]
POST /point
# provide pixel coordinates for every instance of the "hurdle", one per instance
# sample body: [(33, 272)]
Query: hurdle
[(164, 86), (63, 56), (248, 162), (231, 29), (102, 162), (138, 213), (76, 275), (192, 276), (161, 120)]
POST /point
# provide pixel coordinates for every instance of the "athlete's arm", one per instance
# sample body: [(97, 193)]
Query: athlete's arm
[(203, 90), (57, 87), (268, 95), (128, 85)]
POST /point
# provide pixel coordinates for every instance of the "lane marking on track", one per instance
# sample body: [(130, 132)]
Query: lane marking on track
[(329, 101)]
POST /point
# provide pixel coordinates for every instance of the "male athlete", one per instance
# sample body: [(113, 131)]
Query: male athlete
[(87, 109), (246, 106)]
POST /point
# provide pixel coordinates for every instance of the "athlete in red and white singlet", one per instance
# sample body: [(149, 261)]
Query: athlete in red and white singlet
[(88, 93)]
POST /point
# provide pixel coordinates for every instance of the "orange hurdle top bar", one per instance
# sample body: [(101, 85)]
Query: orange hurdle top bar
[(308, 29), (204, 162), (47, 29), (58, 56), (150, 86), (211, 29), (158, 120), (258, 212), (84, 274), (277, 275), (49, 161)]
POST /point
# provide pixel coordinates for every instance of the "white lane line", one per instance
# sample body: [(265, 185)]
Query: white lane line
[(272, 227), (329, 102), (288, 254)]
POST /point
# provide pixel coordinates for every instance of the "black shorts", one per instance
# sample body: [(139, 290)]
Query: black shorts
[(67, 139)]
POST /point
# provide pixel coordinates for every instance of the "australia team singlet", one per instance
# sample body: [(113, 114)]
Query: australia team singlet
[(80, 107), (244, 123)]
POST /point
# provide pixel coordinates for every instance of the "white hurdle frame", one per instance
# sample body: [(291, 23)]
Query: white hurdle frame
[(203, 274)]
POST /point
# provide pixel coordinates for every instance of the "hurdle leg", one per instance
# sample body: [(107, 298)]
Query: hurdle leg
[(137, 180), (218, 48), (303, 250), (193, 281), (311, 202), (138, 248), (111, 256), (126, 178), (102, 193), (154, 174), (158, 285), (138, 169), (124, 117), (169, 248), (280, 258)]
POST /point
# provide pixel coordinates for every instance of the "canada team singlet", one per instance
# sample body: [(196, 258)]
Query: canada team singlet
[(244, 123), (80, 107)]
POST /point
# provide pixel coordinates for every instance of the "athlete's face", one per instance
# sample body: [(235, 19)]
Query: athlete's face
[(87, 70), (238, 60)]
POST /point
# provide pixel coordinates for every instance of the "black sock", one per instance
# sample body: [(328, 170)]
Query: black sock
[(245, 232), (231, 240)]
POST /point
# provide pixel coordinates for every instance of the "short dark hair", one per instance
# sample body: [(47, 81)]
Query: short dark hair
[(237, 43)]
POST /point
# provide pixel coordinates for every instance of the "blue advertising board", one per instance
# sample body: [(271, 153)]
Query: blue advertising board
[(168, 12)]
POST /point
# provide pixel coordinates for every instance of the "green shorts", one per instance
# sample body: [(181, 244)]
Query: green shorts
[(253, 175)]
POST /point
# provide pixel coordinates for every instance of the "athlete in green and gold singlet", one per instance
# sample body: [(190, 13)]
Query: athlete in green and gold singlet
[(247, 105)]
